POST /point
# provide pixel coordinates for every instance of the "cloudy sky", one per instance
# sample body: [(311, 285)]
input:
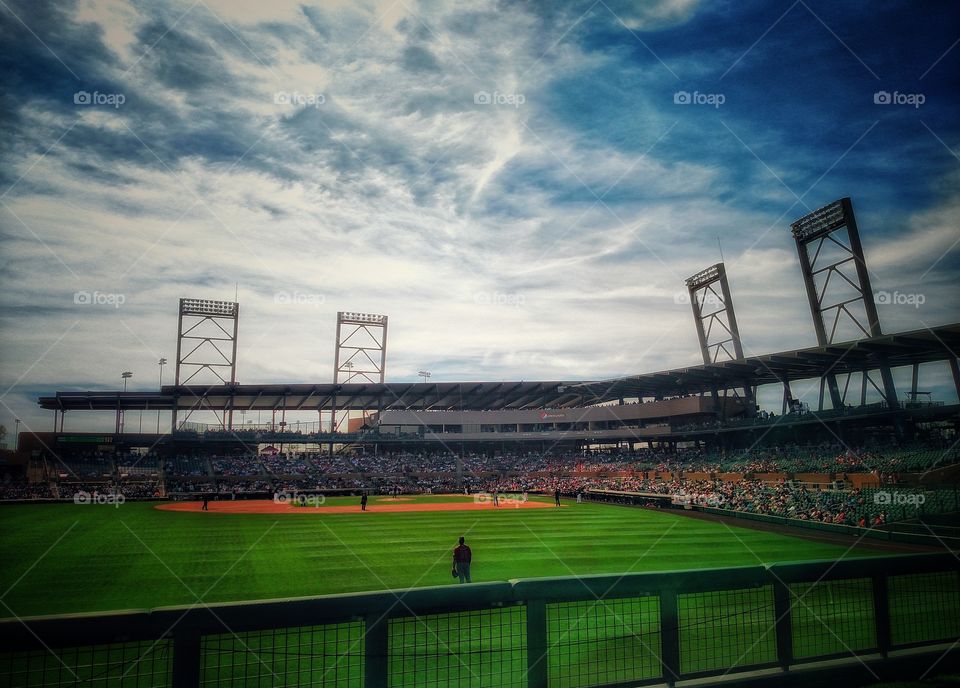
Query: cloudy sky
[(521, 187)]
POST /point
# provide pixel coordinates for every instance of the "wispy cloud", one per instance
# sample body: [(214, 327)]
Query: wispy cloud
[(520, 187)]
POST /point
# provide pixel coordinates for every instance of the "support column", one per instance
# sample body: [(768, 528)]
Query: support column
[(787, 397), (955, 370)]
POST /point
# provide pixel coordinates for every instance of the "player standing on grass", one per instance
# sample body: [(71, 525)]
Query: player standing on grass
[(461, 561), (556, 496), (363, 501)]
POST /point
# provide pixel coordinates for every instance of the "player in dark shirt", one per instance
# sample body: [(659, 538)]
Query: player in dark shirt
[(462, 557)]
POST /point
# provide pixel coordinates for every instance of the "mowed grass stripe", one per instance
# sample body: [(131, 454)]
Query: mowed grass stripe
[(101, 565)]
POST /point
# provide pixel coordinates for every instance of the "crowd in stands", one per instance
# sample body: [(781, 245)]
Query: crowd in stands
[(694, 475), (11, 489), (849, 508), (185, 466), (236, 465)]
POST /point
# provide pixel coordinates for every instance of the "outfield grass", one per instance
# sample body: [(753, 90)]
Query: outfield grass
[(61, 558)]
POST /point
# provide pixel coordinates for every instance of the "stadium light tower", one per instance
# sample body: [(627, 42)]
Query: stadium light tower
[(206, 346), (716, 321), (425, 374), (361, 343), (838, 285), (702, 288)]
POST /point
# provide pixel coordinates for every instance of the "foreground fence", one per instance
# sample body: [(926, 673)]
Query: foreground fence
[(559, 632)]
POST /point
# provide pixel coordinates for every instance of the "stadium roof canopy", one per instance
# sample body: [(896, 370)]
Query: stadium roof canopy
[(906, 348)]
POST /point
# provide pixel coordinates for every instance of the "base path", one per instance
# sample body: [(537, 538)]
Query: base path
[(267, 506)]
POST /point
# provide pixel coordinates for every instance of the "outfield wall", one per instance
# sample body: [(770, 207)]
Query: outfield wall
[(577, 631)]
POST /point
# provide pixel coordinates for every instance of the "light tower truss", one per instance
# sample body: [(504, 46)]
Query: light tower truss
[(716, 322), (837, 283), (714, 316), (361, 348), (207, 347), (835, 273)]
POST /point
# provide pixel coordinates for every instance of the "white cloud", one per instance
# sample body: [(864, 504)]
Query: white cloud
[(475, 228)]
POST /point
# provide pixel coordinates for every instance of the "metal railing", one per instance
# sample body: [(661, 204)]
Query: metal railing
[(598, 630)]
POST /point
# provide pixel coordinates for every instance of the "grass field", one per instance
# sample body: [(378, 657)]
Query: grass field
[(62, 558)]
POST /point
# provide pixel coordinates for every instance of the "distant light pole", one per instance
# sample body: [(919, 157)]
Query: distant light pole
[(162, 362), (425, 374), (16, 434), (126, 375)]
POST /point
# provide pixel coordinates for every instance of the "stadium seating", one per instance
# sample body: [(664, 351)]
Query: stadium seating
[(765, 480)]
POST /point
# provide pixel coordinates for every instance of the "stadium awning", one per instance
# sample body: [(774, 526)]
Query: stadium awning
[(905, 348)]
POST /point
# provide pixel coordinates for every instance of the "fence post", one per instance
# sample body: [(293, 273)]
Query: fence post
[(881, 612), (536, 644), (670, 635), (186, 657), (784, 627), (375, 651)]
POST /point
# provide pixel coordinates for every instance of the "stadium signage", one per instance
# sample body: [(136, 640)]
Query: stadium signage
[(85, 439)]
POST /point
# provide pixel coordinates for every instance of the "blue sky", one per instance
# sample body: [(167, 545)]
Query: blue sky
[(343, 153)]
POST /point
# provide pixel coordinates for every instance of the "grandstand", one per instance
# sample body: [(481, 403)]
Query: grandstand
[(690, 444)]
